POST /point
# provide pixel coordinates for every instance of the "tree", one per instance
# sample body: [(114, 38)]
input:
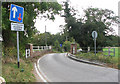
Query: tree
[(40, 39), (112, 41), (70, 20), (31, 11), (57, 45), (99, 20), (104, 16), (60, 37), (95, 19), (66, 46)]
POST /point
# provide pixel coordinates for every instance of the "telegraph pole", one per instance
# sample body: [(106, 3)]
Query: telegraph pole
[(45, 36)]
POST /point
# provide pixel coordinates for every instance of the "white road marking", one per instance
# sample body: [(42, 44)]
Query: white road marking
[(39, 74), (41, 70)]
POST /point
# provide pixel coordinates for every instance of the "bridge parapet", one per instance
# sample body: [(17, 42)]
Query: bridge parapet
[(32, 51)]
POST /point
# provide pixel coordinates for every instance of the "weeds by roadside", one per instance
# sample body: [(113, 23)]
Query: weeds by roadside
[(110, 61), (12, 73)]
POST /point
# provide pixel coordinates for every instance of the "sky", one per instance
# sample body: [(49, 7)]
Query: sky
[(53, 27)]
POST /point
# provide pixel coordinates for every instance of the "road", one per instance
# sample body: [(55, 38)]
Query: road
[(59, 68)]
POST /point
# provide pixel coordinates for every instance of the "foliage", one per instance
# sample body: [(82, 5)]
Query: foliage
[(66, 46), (31, 11), (110, 61), (40, 39), (57, 45), (98, 20), (112, 41), (95, 19), (10, 52), (78, 46), (60, 37), (54, 40), (12, 73)]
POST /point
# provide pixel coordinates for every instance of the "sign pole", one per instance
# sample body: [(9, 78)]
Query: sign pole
[(16, 15), (94, 35), (18, 48), (95, 43), (95, 47)]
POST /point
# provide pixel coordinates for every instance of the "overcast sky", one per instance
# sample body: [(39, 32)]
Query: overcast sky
[(53, 27)]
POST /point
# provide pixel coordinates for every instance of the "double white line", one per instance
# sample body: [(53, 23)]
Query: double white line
[(39, 72)]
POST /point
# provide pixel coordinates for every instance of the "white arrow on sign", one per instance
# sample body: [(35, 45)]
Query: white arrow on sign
[(14, 9)]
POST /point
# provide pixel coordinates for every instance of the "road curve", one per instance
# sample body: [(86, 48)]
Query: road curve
[(58, 67)]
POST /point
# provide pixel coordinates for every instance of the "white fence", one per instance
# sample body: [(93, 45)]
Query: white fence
[(39, 48), (109, 51)]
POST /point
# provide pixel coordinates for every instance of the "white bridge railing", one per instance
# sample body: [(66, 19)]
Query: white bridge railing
[(39, 48), (36, 48)]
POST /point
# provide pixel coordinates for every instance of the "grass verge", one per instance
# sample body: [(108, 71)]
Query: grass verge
[(12, 73), (109, 60)]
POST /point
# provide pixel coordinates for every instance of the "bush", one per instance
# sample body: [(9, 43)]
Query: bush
[(10, 52), (57, 46), (66, 46)]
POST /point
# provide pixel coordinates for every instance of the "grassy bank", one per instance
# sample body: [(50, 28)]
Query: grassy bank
[(109, 60), (12, 73)]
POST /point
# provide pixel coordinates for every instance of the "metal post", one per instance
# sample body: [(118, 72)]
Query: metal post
[(18, 48), (95, 47), (95, 43)]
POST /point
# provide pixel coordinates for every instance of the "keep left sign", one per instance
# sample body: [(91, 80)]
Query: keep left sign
[(16, 13)]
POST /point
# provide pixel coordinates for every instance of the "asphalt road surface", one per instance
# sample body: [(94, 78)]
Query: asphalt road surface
[(59, 68)]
